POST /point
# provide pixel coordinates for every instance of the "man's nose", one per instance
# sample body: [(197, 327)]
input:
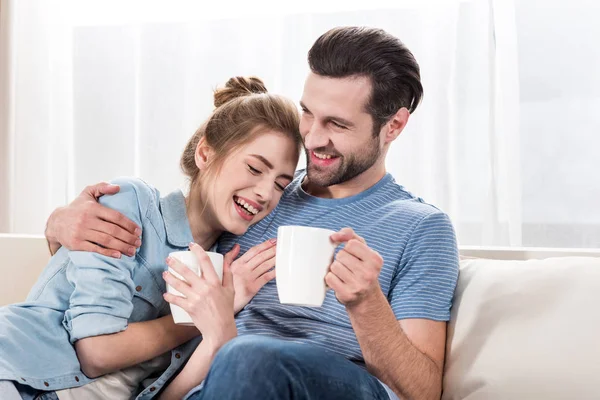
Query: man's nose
[(316, 137)]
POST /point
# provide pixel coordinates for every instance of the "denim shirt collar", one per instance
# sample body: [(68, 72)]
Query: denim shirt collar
[(176, 221)]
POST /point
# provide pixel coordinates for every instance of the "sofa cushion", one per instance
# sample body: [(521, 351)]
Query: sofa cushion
[(525, 330)]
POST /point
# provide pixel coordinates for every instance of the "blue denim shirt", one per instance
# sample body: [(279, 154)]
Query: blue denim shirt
[(83, 294)]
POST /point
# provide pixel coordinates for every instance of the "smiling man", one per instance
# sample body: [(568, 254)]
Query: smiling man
[(381, 331)]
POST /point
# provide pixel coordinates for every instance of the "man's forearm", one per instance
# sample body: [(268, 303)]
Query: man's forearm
[(390, 355), (53, 244), (140, 342)]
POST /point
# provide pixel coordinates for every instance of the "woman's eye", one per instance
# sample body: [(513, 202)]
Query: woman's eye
[(253, 170), (280, 186)]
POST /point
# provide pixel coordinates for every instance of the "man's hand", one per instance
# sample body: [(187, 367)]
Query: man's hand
[(85, 225), (354, 274)]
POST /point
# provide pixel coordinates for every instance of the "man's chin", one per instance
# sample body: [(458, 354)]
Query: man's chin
[(319, 177)]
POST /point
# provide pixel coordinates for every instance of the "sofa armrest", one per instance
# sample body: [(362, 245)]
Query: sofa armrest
[(23, 259)]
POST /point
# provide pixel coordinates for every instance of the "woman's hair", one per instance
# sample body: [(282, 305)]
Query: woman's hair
[(244, 110)]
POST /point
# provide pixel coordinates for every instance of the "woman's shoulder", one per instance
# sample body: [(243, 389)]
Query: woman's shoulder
[(135, 196)]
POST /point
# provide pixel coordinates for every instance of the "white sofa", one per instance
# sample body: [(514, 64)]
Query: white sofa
[(525, 323)]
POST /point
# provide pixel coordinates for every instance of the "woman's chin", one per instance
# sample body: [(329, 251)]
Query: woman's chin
[(236, 229)]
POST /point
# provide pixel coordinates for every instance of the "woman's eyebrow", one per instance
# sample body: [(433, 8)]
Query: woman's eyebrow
[(269, 165)]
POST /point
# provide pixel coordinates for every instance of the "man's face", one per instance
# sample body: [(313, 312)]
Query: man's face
[(337, 130)]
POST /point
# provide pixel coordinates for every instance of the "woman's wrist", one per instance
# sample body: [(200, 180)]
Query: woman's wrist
[(215, 342)]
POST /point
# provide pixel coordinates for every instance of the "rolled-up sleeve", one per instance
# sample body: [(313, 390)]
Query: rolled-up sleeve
[(103, 287)]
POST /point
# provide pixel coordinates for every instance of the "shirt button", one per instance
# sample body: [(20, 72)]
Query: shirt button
[(177, 355), (77, 378), (152, 389), (46, 384), (138, 289)]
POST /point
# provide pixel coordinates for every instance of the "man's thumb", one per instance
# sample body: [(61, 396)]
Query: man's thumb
[(103, 188)]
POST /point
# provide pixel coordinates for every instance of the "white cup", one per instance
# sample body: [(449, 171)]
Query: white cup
[(303, 257), (180, 316)]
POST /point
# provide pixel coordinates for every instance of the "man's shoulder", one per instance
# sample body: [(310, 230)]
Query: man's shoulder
[(400, 202)]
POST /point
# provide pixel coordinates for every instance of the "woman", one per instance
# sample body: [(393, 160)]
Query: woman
[(97, 315)]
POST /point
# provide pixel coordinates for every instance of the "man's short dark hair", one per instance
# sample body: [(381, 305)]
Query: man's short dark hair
[(374, 53)]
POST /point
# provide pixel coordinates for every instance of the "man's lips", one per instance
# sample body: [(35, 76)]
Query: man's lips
[(322, 162)]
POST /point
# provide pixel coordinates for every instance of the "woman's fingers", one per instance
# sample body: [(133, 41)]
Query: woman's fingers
[(231, 255), (263, 257), (186, 273), (227, 275), (177, 284), (208, 270), (257, 250), (176, 300), (262, 268), (266, 277)]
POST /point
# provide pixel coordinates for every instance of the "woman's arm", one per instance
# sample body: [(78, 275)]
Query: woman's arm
[(101, 301), (196, 368), (210, 304), (141, 341)]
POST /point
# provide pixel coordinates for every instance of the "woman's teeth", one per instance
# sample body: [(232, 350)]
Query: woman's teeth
[(246, 206), (322, 156)]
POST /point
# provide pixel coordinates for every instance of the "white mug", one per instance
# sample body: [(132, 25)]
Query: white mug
[(303, 257), (180, 316)]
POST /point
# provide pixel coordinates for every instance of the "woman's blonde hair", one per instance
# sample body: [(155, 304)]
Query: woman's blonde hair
[(244, 110)]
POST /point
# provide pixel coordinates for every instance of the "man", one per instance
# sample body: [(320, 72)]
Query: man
[(381, 331)]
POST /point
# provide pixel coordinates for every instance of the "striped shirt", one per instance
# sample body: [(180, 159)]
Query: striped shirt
[(415, 239)]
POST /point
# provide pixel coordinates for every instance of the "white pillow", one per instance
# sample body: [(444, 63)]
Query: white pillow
[(525, 330)]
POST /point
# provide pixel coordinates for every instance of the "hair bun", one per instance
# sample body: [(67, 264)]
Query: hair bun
[(238, 86)]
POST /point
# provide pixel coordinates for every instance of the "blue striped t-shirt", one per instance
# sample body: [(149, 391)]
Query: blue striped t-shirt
[(415, 239)]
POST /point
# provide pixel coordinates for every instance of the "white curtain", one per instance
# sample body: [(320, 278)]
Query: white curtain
[(92, 90)]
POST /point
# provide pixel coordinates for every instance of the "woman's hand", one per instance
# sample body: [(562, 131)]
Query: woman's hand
[(208, 301), (252, 271)]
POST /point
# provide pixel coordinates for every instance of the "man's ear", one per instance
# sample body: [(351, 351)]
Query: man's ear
[(204, 154), (394, 127)]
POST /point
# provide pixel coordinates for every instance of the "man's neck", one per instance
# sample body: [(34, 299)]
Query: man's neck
[(354, 186)]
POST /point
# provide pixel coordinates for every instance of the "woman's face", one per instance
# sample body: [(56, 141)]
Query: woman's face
[(251, 181)]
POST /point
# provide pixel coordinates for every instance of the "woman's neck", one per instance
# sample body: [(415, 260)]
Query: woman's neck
[(201, 223)]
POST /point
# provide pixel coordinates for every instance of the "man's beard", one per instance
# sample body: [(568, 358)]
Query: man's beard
[(350, 166)]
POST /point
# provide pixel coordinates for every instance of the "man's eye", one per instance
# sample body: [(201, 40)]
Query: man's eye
[(338, 125), (253, 170)]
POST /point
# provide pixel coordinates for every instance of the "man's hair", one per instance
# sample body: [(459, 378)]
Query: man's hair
[(359, 51)]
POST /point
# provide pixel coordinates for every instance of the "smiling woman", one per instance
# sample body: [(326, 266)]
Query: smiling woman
[(243, 154), (95, 315)]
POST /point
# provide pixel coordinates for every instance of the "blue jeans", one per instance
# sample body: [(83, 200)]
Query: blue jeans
[(262, 368)]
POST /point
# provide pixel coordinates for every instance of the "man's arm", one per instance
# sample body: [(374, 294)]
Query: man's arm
[(85, 225), (407, 355), (141, 341), (402, 337)]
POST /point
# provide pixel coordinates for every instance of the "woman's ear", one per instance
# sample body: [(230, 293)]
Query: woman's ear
[(204, 154)]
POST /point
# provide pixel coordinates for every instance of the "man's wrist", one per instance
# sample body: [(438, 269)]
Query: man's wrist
[(50, 234), (368, 304)]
